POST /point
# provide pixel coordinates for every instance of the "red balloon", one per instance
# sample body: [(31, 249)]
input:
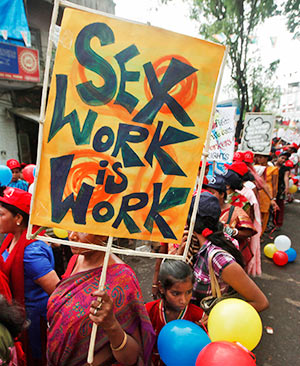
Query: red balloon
[(28, 173), (277, 152), (280, 258), (225, 354)]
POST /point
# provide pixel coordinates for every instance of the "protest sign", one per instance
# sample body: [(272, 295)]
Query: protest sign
[(291, 136), (127, 117), (258, 132), (222, 136)]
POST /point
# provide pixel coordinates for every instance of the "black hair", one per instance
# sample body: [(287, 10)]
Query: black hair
[(217, 237), (12, 316), (173, 271), (15, 210), (234, 181), (248, 176)]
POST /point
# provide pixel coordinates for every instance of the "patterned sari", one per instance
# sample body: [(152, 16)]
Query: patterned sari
[(68, 315)]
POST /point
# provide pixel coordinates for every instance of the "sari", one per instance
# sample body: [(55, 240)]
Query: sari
[(264, 200), (68, 315)]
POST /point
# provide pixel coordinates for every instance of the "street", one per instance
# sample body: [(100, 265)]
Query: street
[(282, 287)]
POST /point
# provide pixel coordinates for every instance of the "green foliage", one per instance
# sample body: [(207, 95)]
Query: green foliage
[(261, 85), (292, 11)]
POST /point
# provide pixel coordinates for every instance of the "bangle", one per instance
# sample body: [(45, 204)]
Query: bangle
[(235, 232), (122, 345), (154, 286), (273, 199)]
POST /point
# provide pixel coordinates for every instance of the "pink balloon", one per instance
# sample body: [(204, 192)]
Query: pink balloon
[(28, 173)]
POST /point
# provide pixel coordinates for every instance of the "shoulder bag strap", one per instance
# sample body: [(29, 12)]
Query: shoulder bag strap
[(230, 214), (215, 287)]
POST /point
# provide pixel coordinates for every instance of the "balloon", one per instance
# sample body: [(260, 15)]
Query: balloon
[(292, 254), (60, 233), (224, 354), (280, 258), (282, 242), (30, 188), (28, 173), (269, 250), (293, 189), (180, 341), (235, 320), (5, 175)]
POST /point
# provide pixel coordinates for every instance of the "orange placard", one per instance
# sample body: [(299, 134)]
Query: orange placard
[(126, 121)]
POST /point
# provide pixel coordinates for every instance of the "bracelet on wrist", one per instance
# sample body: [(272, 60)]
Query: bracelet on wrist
[(154, 286), (122, 345)]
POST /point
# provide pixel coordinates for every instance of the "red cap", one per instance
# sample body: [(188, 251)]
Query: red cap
[(248, 157), (295, 145), (17, 198), (289, 163), (238, 167), (206, 164), (13, 163), (238, 156)]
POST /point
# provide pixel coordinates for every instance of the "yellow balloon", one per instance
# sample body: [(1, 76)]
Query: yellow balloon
[(293, 189), (235, 320), (269, 250), (60, 233)]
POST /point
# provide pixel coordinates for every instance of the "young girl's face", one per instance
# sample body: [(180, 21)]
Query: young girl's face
[(179, 295)]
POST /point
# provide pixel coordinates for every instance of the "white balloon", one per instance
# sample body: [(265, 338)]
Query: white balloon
[(30, 189), (282, 242)]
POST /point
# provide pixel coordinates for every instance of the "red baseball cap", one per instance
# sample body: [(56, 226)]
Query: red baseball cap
[(238, 156), (206, 164), (17, 197), (238, 166), (248, 157), (295, 145), (13, 163)]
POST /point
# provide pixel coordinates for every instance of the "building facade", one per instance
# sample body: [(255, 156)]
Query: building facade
[(21, 77)]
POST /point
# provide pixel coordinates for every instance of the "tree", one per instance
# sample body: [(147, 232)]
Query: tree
[(292, 12), (236, 20), (261, 86)]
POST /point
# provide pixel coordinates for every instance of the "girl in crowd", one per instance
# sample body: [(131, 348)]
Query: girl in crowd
[(125, 335), (29, 266), (175, 287), (226, 259)]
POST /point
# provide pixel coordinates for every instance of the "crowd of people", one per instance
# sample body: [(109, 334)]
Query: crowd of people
[(46, 317)]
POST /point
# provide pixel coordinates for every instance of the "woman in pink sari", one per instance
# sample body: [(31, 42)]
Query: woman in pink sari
[(125, 335)]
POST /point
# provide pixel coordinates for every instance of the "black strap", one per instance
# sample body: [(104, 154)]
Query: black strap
[(230, 214)]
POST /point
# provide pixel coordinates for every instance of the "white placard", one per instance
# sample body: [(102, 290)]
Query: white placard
[(258, 132), (222, 135)]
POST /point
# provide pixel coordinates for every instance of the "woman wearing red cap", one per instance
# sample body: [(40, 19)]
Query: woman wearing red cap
[(29, 266)]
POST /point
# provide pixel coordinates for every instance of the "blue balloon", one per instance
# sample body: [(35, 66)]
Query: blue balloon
[(180, 341), (292, 254), (5, 175)]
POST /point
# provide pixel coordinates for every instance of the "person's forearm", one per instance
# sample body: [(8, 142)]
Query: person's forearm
[(123, 346)]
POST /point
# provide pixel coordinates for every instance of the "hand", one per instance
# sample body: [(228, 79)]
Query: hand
[(155, 292), (101, 312), (275, 206), (183, 241)]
